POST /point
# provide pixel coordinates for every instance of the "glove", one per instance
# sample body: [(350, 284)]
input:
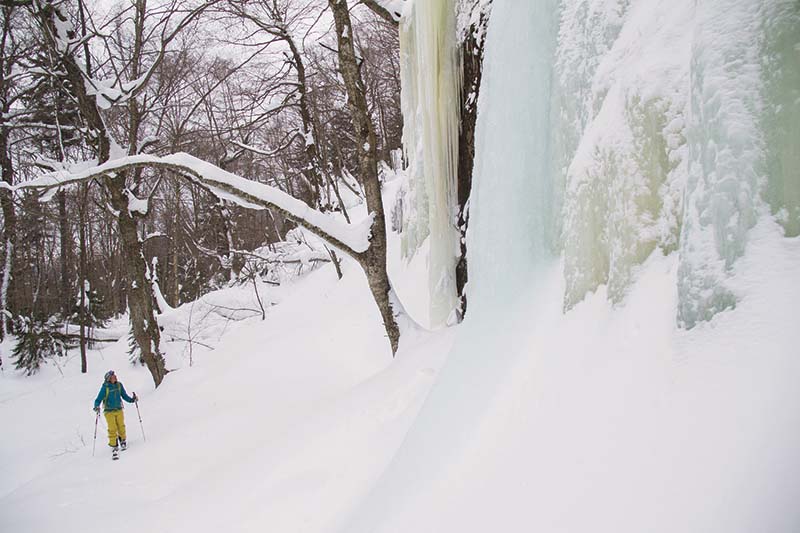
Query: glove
[(135, 398), (96, 410)]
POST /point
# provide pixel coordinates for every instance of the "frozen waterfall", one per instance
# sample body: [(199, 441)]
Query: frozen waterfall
[(431, 85), (611, 135), (508, 247), (672, 127)]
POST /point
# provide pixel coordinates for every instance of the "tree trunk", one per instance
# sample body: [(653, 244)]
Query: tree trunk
[(9, 230), (65, 241), (139, 294), (82, 274), (221, 220), (373, 261)]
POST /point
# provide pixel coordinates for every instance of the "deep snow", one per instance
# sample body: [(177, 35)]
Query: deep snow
[(261, 430), (607, 420)]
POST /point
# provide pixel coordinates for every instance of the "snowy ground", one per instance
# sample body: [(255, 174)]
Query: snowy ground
[(613, 420), (602, 420), (284, 417)]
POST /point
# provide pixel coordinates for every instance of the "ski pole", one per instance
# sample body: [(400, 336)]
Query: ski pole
[(94, 443), (140, 419)]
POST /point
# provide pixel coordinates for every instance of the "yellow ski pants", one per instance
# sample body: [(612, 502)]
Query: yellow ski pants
[(116, 426)]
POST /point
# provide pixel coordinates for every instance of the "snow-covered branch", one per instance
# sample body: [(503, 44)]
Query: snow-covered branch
[(353, 239)]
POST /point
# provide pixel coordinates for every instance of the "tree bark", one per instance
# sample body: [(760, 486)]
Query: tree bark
[(373, 261), (65, 241), (9, 230), (82, 274), (7, 170)]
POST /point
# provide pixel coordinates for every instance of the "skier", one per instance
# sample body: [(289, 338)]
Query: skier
[(111, 395)]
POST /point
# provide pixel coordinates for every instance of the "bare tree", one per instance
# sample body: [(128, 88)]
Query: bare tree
[(251, 112), (61, 42)]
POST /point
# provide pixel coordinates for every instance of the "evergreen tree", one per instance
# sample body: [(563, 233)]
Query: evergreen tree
[(38, 341)]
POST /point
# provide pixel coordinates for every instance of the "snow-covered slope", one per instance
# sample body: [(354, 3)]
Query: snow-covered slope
[(611, 419), (601, 420), (279, 427)]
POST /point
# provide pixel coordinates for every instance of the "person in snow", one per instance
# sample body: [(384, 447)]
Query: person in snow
[(111, 395)]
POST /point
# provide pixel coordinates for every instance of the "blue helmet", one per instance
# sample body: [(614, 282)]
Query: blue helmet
[(108, 375)]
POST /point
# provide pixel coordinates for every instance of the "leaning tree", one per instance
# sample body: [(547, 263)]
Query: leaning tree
[(365, 242)]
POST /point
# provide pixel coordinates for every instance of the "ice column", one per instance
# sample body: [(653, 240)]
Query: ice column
[(431, 85), (511, 201)]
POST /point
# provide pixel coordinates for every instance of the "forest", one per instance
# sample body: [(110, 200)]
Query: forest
[(266, 90)]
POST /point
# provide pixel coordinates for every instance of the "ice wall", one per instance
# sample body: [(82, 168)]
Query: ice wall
[(780, 63), (619, 138), (674, 125), (743, 120), (431, 86), (675, 128), (726, 151), (513, 191)]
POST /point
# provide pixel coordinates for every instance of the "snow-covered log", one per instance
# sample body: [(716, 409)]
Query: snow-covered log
[(353, 239)]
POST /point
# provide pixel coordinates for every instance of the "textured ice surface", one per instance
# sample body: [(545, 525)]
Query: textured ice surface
[(622, 70), (675, 126), (431, 85), (726, 154), (781, 118)]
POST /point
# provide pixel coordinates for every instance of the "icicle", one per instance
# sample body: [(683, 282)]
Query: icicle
[(431, 81)]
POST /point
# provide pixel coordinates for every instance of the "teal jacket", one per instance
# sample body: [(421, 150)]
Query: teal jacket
[(112, 395)]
